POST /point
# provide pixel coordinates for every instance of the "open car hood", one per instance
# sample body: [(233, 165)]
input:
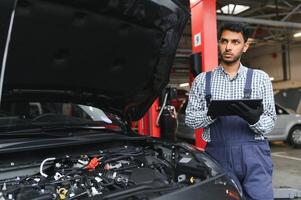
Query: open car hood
[(112, 54)]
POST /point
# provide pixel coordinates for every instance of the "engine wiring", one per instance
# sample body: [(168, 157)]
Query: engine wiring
[(42, 165), (113, 173)]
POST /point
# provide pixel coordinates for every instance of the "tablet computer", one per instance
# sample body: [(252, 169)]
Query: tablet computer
[(221, 107)]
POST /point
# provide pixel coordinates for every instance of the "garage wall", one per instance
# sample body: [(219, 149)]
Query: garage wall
[(269, 59), (296, 63)]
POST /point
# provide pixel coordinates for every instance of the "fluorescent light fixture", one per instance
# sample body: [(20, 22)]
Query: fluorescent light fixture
[(272, 78), (193, 2), (252, 40), (184, 84), (297, 34), (233, 9)]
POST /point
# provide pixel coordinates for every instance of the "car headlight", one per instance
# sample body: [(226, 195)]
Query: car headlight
[(236, 186), (233, 195)]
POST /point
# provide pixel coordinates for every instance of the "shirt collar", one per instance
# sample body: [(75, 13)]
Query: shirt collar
[(240, 72)]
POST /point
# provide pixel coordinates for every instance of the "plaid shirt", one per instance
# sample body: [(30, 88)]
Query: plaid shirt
[(223, 88)]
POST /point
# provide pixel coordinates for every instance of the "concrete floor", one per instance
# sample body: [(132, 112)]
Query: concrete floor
[(287, 166)]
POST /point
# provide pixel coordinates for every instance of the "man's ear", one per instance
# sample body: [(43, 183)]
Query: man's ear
[(246, 46)]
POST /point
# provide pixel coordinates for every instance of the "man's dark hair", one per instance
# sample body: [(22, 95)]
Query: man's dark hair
[(235, 27)]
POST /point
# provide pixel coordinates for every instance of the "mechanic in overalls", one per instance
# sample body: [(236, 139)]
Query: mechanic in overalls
[(237, 142)]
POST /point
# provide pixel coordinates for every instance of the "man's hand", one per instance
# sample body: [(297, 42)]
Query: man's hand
[(212, 117), (249, 114)]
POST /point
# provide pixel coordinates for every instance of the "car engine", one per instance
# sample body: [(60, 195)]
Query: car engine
[(121, 172)]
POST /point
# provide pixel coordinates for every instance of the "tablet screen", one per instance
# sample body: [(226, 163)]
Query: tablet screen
[(221, 107)]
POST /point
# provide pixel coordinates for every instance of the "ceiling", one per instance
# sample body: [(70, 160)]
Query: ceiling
[(269, 19)]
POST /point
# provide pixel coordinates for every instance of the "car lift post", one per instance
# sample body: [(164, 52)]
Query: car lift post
[(204, 42), (147, 124), (203, 22)]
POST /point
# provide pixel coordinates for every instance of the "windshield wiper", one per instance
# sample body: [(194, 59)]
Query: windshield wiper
[(41, 131), (140, 189)]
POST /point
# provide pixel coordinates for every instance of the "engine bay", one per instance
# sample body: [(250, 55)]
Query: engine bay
[(131, 171)]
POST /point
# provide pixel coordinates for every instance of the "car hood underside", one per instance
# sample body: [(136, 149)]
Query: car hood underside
[(112, 54)]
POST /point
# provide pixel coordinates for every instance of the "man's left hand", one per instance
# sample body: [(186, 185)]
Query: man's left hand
[(251, 115)]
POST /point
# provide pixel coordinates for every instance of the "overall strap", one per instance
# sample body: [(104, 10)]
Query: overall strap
[(248, 85), (208, 88)]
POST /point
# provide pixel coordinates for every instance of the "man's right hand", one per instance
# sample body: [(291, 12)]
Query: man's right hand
[(212, 117), (251, 115)]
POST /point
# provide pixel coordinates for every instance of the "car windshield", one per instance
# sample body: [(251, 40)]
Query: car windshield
[(20, 114), (281, 110)]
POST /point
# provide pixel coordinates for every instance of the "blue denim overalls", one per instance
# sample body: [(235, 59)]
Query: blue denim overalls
[(243, 158)]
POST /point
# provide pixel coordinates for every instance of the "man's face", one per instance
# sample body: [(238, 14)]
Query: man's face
[(231, 46)]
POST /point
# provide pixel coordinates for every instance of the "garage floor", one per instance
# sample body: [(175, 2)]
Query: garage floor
[(287, 166)]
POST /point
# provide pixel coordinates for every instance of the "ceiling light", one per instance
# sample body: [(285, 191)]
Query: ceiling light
[(184, 84), (233, 9), (272, 78), (297, 34), (252, 40)]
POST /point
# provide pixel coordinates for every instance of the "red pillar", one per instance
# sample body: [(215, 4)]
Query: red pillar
[(204, 41), (147, 125)]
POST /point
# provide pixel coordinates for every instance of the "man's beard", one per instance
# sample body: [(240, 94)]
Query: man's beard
[(234, 60)]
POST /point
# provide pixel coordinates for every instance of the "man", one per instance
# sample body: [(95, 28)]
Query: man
[(237, 142)]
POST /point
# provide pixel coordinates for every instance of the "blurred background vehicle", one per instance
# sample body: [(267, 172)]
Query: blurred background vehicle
[(290, 99), (287, 127)]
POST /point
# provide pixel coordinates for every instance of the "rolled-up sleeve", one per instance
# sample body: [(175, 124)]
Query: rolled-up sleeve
[(267, 119), (196, 111)]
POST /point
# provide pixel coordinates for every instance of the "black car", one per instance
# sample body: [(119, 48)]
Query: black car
[(116, 55)]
